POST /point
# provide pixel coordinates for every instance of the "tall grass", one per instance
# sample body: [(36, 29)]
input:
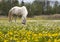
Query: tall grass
[(33, 31)]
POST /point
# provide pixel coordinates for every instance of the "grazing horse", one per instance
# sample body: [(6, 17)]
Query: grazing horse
[(18, 11)]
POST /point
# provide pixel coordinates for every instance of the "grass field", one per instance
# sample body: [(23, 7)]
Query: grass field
[(33, 31)]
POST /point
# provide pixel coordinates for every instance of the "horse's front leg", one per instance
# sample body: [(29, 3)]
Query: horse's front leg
[(10, 17)]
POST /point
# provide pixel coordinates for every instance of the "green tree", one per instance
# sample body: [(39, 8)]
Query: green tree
[(37, 5), (6, 5), (56, 7)]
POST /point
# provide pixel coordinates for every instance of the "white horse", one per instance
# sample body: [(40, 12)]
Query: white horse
[(18, 11)]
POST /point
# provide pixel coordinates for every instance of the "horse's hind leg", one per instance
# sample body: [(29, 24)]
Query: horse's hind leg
[(15, 17)]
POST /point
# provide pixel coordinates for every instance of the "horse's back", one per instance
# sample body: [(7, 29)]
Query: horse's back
[(19, 10), (17, 7)]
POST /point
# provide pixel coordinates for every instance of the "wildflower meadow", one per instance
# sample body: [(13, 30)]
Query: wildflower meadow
[(33, 31)]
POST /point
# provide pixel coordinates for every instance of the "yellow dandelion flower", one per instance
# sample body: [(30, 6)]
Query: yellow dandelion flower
[(45, 35), (49, 34), (15, 31), (17, 41), (11, 38), (0, 32), (5, 40), (36, 39), (28, 38), (55, 40), (1, 35), (10, 33), (40, 34), (15, 38), (56, 34), (49, 40), (28, 33), (34, 35), (58, 40), (24, 40)]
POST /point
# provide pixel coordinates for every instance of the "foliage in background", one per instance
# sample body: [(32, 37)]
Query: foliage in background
[(5, 6), (35, 8)]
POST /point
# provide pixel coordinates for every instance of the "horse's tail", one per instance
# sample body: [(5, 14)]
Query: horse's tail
[(9, 16)]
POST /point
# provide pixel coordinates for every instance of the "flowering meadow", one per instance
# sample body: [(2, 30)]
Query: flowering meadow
[(33, 31)]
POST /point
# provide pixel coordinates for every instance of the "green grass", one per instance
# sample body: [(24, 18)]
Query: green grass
[(39, 25), (14, 32)]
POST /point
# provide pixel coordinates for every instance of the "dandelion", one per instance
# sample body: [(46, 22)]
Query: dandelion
[(19, 33), (11, 38), (34, 35), (40, 34), (17, 41), (49, 34), (36, 39), (28, 38), (10, 33), (49, 40), (15, 38), (58, 40), (54, 35), (28, 33), (24, 41), (45, 35), (0, 34), (55, 40), (5, 40)]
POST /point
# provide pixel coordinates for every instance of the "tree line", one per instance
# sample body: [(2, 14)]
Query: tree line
[(35, 8)]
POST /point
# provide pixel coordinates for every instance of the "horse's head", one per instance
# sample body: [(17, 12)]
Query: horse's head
[(24, 21)]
